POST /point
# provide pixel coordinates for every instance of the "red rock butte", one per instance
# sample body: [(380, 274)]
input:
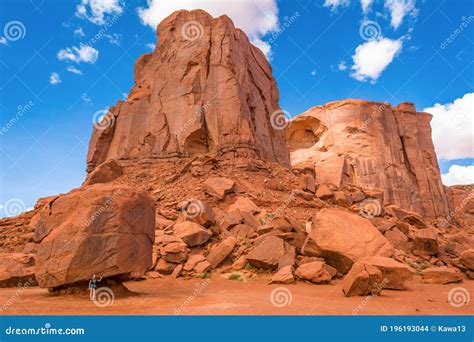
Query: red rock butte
[(205, 89)]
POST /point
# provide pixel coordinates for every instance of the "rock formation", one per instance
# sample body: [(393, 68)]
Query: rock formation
[(374, 146), (188, 178), (205, 89)]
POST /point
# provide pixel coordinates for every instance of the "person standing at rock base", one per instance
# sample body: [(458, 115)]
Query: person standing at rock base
[(93, 286)]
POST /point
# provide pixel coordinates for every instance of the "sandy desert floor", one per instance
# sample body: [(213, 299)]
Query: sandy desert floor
[(217, 296)]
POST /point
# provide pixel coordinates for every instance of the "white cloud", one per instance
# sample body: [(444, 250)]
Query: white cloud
[(366, 4), (458, 174), (334, 4), (83, 53), (86, 98), (74, 70), (264, 46), (79, 32), (3, 41), (151, 46), (114, 38), (342, 66), (373, 57), (255, 18), (399, 9), (453, 128), (54, 78), (96, 10)]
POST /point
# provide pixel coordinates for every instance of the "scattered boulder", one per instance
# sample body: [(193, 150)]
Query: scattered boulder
[(244, 205), (441, 275), (394, 273), (177, 271), (269, 253), (458, 243), (174, 252), (218, 186), (362, 280), (165, 267), (425, 241), (397, 239), (467, 259), (316, 272), (283, 276), (341, 238), (192, 233), (221, 251), (102, 229), (324, 193), (104, 173), (197, 263), (17, 269)]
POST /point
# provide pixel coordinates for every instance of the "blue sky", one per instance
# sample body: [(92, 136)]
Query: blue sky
[(55, 75)]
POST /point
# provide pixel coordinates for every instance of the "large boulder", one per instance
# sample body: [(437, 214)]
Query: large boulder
[(441, 275), (467, 259), (218, 186), (425, 241), (341, 238), (362, 280), (102, 229), (394, 273), (17, 269), (218, 253), (192, 233), (315, 272), (272, 253)]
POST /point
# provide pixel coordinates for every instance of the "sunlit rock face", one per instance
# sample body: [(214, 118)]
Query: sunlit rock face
[(372, 145)]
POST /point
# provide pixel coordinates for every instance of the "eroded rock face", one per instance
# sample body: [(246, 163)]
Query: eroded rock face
[(372, 145), (102, 229), (209, 93)]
